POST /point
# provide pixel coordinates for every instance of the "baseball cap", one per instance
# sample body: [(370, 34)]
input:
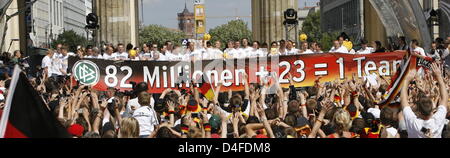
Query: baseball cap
[(215, 121)]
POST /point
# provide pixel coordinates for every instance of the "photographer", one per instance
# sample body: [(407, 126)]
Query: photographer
[(133, 103)]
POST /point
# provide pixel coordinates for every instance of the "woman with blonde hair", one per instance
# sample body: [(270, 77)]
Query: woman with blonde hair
[(129, 128), (342, 122)]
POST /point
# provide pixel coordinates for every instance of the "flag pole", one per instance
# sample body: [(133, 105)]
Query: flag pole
[(9, 98)]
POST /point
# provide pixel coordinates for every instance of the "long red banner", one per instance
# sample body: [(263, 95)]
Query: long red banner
[(101, 74)]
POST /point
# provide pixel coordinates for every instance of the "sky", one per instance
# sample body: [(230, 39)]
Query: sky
[(164, 12)]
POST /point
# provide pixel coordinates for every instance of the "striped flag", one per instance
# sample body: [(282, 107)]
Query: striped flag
[(207, 90), (25, 114), (397, 81)]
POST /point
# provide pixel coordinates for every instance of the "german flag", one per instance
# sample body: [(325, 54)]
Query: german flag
[(25, 114), (207, 90), (397, 81)]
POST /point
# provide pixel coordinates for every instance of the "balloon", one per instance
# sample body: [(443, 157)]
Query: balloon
[(132, 53), (348, 45), (207, 37), (303, 37)]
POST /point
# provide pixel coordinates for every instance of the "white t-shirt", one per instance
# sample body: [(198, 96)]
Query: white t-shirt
[(247, 50), (174, 57), (135, 104), (414, 125), (257, 53), (368, 50), (342, 49), (375, 112), (420, 51), (293, 51), (162, 57), (145, 56), (239, 53), (56, 65), (392, 132), (230, 52), (213, 53), (122, 56), (47, 63), (147, 118), (65, 63), (98, 57), (109, 57), (308, 51), (196, 55)]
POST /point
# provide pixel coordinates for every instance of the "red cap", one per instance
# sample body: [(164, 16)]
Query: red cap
[(261, 136), (76, 130)]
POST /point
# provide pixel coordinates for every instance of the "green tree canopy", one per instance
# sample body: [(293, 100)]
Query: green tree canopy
[(311, 27), (70, 39), (233, 31), (159, 34)]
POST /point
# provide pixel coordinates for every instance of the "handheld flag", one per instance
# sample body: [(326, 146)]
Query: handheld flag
[(25, 114)]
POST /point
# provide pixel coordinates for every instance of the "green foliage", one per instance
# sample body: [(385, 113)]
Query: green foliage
[(233, 31), (159, 34), (327, 39), (311, 27), (70, 39)]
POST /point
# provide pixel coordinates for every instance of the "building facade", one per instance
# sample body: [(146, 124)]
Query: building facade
[(444, 20), (304, 12), (359, 19), (12, 33), (75, 12), (186, 22), (118, 20), (268, 18), (343, 16)]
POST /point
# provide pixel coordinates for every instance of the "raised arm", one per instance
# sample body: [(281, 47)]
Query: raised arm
[(320, 120), (216, 94), (246, 86), (442, 87), (266, 123), (97, 122), (235, 123), (206, 125), (404, 92), (223, 127), (171, 108)]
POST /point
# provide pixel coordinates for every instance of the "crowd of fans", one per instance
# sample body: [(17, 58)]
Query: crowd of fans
[(339, 109)]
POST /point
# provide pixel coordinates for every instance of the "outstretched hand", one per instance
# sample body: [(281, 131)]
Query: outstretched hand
[(436, 70)]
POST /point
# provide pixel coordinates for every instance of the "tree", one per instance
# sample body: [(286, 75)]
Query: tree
[(311, 27), (327, 39), (159, 35), (70, 39), (233, 31)]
